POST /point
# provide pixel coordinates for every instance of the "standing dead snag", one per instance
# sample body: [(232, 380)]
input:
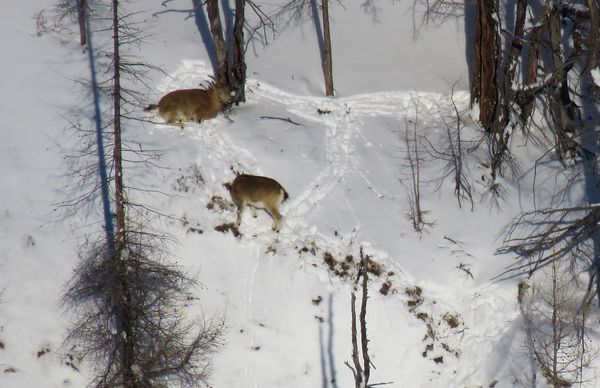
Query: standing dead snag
[(296, 10), (127, 300), (230, 43), (216, 30), (327, 61), (485, 65), (81, 11), (238, 65), (361, 372), (363, 323)]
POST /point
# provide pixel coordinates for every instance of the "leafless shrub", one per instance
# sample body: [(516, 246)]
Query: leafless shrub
[(555, 315), (454, 153), (414, 161), (495, 193), (140, 298)]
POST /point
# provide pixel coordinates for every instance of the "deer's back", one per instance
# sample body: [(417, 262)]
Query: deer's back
[(186, 100), (255, 189)]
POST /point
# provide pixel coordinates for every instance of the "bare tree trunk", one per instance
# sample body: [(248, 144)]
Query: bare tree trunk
[(216, 29), (327, 60), (129, 325), (117, 151), (363, 320), (414, 161), (507, 96), (81, 11), (593, 43), (559, 98), (526, 102), (360, 372), (238, 67), (122, 296), (476, 55), (589, 137), (357, 370), (484, 87)]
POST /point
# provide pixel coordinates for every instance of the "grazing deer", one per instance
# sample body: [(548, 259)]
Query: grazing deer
[(195, 105), (258, 192)]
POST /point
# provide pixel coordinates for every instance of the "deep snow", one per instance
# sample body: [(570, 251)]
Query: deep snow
[(348, 182)]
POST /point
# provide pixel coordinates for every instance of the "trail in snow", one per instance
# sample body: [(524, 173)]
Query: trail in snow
[(220, 156)]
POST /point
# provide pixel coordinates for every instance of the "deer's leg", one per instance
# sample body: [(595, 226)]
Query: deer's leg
[(277, 218), (240, 209)]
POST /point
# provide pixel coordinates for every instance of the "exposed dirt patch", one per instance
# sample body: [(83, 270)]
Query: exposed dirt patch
[(228, 227)]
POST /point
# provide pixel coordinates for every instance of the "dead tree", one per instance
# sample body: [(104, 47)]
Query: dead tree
[(327, 55), (125, 297), (238, 65), (361, 361), (563, 48), (360, 370), (414, 162), (554, 44), (454, 153), (63, 14), (555, 317), (81, 17), (296, 10), (231, 69), (485, 62), (216, 30), (559, 99)]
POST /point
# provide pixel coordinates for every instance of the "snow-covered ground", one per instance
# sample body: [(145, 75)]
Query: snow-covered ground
[(436, 316)]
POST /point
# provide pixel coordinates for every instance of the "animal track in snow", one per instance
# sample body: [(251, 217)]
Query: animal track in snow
[(343, 121)]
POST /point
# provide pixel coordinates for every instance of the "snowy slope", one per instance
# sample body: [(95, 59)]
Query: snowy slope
[(285, 297), (343, 173)]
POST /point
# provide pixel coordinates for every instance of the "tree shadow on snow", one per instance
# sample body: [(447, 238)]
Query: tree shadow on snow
[(204, 29), (328, 371)]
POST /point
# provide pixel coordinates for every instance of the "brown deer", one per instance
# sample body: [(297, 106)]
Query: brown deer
[(184, 105), (258, 192)]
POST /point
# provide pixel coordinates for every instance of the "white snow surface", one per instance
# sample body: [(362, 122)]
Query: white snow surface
[(348, 182)]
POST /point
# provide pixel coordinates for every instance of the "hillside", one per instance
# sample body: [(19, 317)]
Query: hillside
[(437, 314)]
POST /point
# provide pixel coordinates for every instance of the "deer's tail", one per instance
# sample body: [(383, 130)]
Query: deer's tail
[(150, 107)]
